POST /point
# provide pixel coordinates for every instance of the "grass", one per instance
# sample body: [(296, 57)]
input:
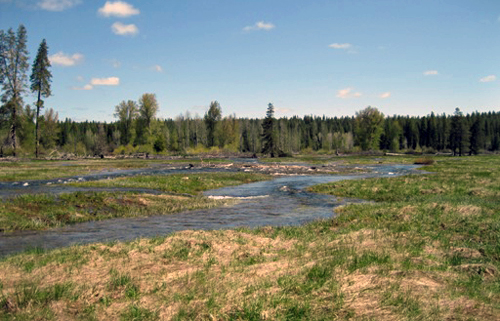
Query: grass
[(178, 183), (43, 169), (428, 249), (40, 211)]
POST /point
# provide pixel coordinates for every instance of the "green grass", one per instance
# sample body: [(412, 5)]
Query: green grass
[(179, 183), (37, 212)]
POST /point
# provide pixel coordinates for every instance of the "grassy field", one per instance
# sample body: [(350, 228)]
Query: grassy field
[(428, 249), (41, 211)]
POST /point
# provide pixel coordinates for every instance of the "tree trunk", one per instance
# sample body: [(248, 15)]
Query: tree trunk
[(13, 128), (37, 140)]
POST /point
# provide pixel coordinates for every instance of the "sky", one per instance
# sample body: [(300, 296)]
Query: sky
[(316, 57)]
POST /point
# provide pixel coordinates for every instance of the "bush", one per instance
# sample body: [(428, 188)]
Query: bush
[(424, 161)]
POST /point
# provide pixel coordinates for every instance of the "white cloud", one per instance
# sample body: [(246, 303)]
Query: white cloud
[(340, 46), (431, 73), (124, 30), (111, 81), (489, 78), (57, 5), (385, 95), (261, 25), (157, 68), (118, 9), (348, 93), (62, 59), (86, 87)]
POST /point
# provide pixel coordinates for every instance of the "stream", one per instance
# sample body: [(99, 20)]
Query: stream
[(279, 202)]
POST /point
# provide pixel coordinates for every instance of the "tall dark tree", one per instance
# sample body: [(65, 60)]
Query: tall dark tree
[(476, 135), (13, 67), (40, 84), (212, 118), (268, 132), (458, 133)]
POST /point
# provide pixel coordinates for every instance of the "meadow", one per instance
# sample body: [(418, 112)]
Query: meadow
[(426, 248)]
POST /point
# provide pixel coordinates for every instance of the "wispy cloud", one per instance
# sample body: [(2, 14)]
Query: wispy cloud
[(284, 110), (261, 25), (348, 93), (57, 5), (121, 29), (86, 87), (115, 63), (64, 60), (111, 81), (431, 73), (489, 78), (385, 95), (343, 46), (157, 68), (118, 9)]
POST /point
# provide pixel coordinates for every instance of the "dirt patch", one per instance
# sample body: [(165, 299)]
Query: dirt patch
[(466, 252), (468, 210), (485, 270)]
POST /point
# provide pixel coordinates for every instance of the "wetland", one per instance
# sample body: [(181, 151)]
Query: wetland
[(255, 241)]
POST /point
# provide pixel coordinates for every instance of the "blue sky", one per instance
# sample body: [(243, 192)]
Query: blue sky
[(332, 58)]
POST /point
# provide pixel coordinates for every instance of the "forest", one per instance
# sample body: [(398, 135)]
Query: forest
[(137, 129)]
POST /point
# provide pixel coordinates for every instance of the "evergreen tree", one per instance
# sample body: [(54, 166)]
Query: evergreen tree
[(13, 68), (268, 132), (476, 135), (458, 133), (40, 83)]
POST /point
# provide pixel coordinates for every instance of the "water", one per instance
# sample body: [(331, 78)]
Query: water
[(279, 202), (56, 186)]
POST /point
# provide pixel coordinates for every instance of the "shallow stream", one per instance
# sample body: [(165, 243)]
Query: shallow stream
[(279, 202)]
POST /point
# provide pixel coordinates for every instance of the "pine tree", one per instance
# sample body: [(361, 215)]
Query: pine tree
[(13, 68), (459, 133), (40, 83), (268, 133), (476, 136)]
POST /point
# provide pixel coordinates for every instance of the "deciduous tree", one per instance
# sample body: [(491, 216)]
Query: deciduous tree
[(126, 112), (212, 119), (368, 128), (13, 68)]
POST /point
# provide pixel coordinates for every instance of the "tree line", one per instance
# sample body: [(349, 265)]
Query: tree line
[(368, 130), (137, 128)]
